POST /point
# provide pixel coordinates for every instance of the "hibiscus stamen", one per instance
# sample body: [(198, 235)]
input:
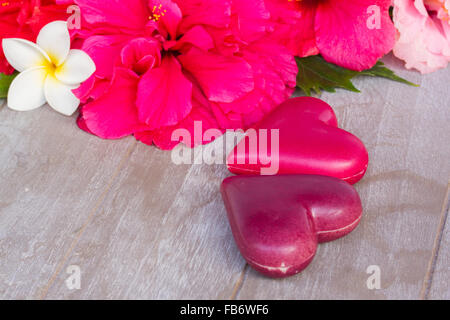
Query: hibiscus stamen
[(157, 13), (6, 6)]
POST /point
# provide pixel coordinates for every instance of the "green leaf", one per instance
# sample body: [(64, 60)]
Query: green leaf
[(379, 70), (316, 74), (5, 82)]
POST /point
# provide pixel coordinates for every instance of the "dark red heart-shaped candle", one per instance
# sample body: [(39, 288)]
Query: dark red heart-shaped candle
[(309, 143), (278, 221)]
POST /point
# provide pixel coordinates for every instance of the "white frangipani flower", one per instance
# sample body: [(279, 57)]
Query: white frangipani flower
[(49, 70)]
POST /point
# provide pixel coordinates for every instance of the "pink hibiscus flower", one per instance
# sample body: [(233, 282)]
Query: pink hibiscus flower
[(162, 65), (352, 34), (24, 19)]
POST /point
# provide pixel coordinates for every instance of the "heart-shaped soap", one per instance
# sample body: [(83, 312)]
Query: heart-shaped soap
[(308, 142), (277, 221)]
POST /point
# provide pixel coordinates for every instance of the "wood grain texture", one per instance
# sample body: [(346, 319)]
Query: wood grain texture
[(439, 279), (139, 226), (50, 182), (161, 234), (407, 134)]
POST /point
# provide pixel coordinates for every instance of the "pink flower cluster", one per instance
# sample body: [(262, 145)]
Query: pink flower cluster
[(165, 64), (162, 65)]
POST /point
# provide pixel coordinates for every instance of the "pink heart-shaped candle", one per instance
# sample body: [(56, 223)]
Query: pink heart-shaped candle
[(278, 221), (309, 142)]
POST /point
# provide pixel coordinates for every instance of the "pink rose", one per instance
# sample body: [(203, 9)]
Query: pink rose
[(423, 33)]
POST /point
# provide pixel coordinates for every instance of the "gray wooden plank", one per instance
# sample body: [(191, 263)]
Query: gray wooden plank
[(406, 132), (162, 234), (53, 175), (439, 287)]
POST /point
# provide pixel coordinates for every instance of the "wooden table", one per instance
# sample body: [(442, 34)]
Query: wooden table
[(138, 226)]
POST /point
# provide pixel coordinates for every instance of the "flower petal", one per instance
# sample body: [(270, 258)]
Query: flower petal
[(422, 40), (344, 37), (205, 119), (54, 39), (114, 114), (196, 36), (141, 54), (77, 68), (27, 90), (167, 14), (252, 21), (158, 104), (105, 51), (222, 78), (23, 54), (60, 97), (8, 29), (210, 13), (129, 15), (294, 25)]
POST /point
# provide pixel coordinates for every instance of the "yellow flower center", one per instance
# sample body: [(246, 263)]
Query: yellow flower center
[(157, 13)]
